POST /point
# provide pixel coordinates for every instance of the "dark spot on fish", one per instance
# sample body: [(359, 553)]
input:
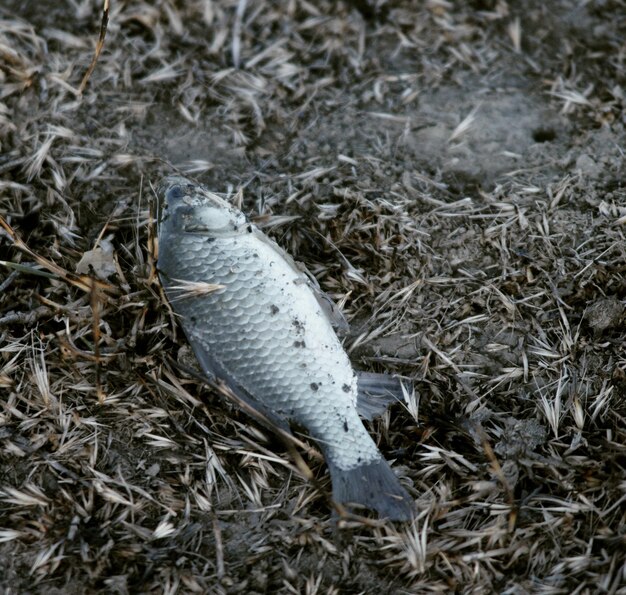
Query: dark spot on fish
[(303, 365), (256, 255), (298, 325), (235, 228), (346, 388), (209, 240), (274, 309), (314, 386), (193, 319), (358, 459), (345, 426), (249, 228), (299, 344)]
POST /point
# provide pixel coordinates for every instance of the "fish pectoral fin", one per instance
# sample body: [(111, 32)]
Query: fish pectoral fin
[(216, 373), (376, 392)]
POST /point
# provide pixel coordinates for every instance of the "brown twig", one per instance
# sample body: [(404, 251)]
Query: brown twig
[(99, 45)]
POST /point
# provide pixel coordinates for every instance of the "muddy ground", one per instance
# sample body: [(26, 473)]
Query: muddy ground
[(451, 172)]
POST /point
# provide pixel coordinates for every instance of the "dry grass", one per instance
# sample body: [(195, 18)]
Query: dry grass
[(502, 297)]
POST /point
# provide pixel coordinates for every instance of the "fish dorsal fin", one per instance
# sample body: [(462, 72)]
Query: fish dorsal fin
[(330, 309)]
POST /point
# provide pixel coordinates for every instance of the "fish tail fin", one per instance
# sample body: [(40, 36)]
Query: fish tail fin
[(373, 485)]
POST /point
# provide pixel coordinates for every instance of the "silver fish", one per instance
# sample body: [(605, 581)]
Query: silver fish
[(260, 324)]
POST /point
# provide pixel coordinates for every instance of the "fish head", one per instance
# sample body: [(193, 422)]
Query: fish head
[(185, 206)]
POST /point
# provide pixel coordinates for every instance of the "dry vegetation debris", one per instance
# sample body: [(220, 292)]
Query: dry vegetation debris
[(452, 173)]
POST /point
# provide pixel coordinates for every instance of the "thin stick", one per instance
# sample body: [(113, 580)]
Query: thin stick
[(219, 548), (95, 311), (236, 47), (103, 31)]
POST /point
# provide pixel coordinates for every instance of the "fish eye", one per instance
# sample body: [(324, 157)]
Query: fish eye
[(176, 192)]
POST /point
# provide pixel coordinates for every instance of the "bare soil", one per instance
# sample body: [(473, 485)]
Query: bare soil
[(451, 172)]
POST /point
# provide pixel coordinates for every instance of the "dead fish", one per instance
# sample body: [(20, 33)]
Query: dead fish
[(256, 321)]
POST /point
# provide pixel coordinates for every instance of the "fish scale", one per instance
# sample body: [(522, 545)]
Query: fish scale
[(266, 332)]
